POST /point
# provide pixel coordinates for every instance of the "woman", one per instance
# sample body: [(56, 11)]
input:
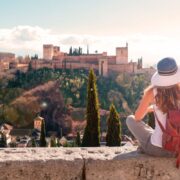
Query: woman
[(161, 96)]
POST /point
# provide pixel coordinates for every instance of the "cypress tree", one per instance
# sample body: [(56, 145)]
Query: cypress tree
[(91, 136), (30, 67), (43, 135), (113, 137), (70, 51), (53, 142), (151, 119), (58, 143), (33, 142), (78, 139), (3, 142)]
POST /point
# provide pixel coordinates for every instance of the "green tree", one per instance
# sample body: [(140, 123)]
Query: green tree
[(34, 142), (43, 142), (78, 139), (53, 142), (151, 120), (113, 137), (58, 143), (30, 66), (80, 51), (35, 57), (12, 144), (4, 100), (91, 136), (3, 142), (70, 51)]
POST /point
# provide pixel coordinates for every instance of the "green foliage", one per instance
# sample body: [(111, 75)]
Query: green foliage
[(58, 143), (30, 67), (75, 51), (113, 137), (43, 142), (6, 96), (70, 144), (70, 51), (73, 85), (31, 78), (3, 142), (123, 90), (151, 120), (53, 142), (12, 145), (35, 57), (92, 131), (34, 142), (78, 139), (132, 87)]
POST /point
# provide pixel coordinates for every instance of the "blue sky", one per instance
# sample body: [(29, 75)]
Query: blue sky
[(150, 27)]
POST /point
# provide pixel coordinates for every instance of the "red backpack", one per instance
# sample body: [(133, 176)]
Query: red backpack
[(171, 133)]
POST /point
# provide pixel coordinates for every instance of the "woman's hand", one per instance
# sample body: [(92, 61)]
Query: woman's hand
[(150, 109)]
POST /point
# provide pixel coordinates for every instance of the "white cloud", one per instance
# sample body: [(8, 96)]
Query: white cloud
[(22, 39), (29, 40)]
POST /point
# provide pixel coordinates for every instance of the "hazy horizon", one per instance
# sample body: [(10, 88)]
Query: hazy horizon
[(150, 28)]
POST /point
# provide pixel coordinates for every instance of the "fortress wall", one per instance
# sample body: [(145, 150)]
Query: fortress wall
[(98, 163), (91, 58), (111, 59), (129, 68), (7, 57), (150, 71), (82, 65), (82, 59)]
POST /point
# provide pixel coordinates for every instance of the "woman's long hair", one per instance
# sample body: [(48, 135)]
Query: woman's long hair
[(168, 98)]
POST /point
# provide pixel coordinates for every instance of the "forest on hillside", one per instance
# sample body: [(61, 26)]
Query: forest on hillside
[(124, 90)]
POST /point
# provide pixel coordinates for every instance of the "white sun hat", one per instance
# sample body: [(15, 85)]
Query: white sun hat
[(168, 73)]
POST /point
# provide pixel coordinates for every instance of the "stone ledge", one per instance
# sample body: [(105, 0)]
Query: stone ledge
[(102, 163)]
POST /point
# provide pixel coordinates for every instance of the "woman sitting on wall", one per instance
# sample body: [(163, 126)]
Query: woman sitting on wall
[(161, 97)]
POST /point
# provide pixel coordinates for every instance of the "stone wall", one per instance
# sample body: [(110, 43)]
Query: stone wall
[(103, 163)]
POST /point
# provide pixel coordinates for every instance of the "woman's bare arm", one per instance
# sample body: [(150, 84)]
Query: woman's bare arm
[(145, 102)]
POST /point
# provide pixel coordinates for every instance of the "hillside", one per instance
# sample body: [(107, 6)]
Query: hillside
[(60, 97)]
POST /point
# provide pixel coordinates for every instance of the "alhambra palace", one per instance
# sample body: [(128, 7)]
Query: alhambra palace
[(54, 58)]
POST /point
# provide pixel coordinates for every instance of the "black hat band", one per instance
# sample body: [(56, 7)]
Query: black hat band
[(168, 73)]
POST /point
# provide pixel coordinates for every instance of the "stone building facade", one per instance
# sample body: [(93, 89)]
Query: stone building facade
[(48, 51), (5, 59), (122, 55)]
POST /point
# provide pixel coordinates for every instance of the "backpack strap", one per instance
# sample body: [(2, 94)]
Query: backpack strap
[(170, 125), (160, 124)]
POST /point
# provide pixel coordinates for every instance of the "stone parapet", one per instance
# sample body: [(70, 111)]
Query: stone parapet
[(102, 163)]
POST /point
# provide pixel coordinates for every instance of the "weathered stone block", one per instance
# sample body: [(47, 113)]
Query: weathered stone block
[(130, 166), (41, 164), (101, 163)]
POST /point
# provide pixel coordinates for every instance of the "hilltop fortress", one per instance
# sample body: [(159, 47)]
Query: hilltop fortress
[(54, 58), (103, 63)]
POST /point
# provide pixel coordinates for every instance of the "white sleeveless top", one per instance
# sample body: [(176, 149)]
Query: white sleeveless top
[(156, 137)]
